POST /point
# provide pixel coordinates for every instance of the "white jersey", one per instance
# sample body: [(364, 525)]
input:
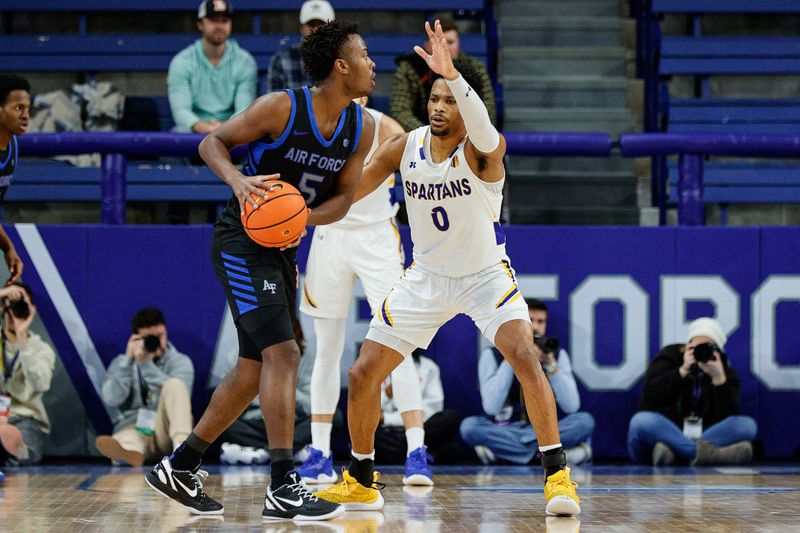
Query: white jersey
[(376, 206), (453, 214)]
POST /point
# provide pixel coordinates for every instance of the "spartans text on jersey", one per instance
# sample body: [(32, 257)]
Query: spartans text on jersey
[(438, 191)]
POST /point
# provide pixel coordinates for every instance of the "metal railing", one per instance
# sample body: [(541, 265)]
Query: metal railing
[(117, 147)]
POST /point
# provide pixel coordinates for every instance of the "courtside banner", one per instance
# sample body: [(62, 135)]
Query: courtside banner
[(616, 295)]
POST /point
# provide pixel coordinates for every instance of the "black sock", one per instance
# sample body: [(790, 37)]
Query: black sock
[(553, 461), (362, 469), (189, 454), (281, 464)]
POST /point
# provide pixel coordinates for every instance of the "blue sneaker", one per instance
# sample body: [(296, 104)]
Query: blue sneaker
[(418, 471), (2, 477), (317, 469)]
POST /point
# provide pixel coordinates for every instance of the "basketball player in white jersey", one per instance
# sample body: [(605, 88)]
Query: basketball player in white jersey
[(453, 178), (364, 244)]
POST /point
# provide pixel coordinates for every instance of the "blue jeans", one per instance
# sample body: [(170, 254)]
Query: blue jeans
[(516, 442), (648, 427)]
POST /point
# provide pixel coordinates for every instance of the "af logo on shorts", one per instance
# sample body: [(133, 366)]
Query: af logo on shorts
[(269, 287)]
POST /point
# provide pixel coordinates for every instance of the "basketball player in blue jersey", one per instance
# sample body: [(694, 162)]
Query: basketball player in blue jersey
[(316, 139), (453, 177), (15, 106)]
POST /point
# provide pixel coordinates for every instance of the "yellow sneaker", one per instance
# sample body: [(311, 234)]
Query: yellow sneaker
[(562, 499), (353, 495)]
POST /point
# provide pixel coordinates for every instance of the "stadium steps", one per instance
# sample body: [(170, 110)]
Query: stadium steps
[(517, 29), (560, 8), (565, 92), (563, 68)]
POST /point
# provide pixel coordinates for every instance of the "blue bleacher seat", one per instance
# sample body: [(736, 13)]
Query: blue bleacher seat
[(725, 6)]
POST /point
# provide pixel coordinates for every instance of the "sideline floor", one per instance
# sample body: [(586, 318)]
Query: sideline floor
[(485, 499)]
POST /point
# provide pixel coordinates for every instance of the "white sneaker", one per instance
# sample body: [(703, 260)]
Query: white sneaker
[(579, 454), (230, 453)]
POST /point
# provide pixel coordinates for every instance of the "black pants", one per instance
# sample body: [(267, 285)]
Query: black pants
[(441, 436), (253, 432)]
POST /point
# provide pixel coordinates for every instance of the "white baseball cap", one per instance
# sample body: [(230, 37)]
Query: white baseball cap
[(316, 10)]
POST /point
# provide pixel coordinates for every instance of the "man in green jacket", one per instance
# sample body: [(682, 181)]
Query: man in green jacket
[(212, 79)]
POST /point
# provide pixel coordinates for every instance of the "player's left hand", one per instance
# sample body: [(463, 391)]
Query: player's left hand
[(439, 59), (14, 264)]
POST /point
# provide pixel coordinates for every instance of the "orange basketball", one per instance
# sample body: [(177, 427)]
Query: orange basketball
[(280, 217)]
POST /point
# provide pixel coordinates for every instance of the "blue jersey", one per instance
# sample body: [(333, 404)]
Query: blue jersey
[(8, 163), (301, 155)]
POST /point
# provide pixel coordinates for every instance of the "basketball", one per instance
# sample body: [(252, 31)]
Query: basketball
[(280, 217)]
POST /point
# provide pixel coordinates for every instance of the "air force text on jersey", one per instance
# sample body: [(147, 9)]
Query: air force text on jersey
[(303, 157), (438, 191)]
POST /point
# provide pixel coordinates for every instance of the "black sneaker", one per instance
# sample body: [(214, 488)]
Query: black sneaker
[(293, 501), (182, 486)]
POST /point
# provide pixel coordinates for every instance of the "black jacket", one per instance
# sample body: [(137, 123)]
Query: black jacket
[(667, 393)]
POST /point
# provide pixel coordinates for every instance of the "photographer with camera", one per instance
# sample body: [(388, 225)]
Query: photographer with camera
[(507, 433), (150, 386), (26, 371), (689, 409)]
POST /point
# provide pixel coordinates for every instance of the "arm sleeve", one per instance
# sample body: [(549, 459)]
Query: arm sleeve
[(495, 382), (483, 136), (402, 103), (564, 386), (179, 90), (432, 391), (36, 363), (662, 382), (246, 88), (116, 388)]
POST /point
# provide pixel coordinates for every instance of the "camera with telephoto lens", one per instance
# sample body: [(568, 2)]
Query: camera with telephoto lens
[(151, 343), (547, 344), (703, 353), (20, 309)]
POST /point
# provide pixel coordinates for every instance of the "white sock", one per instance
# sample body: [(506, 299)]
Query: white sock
[(549, 447), (415, 438), (321, 437), (363, 456)]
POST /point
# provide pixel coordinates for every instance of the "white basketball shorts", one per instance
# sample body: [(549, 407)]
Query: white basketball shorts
[(338, 255), (421, 302)]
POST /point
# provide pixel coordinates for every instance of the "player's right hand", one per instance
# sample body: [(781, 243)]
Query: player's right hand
[(247, 185)]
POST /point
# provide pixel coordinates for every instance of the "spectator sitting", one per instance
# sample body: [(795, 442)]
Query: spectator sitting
[(689, 409), (412, 82), (149, 385), (245, 441), (509, 435), (286, 69), (26, 365), (213, 79), (440, 424)]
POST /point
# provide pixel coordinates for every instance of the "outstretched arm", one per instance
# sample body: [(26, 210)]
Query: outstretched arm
[(335, 207), (385, 161), (485, 146)]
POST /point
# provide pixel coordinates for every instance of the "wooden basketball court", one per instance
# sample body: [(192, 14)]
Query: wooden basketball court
[(485, 499)]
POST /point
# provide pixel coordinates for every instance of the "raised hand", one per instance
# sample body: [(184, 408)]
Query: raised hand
[(439, 59)]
